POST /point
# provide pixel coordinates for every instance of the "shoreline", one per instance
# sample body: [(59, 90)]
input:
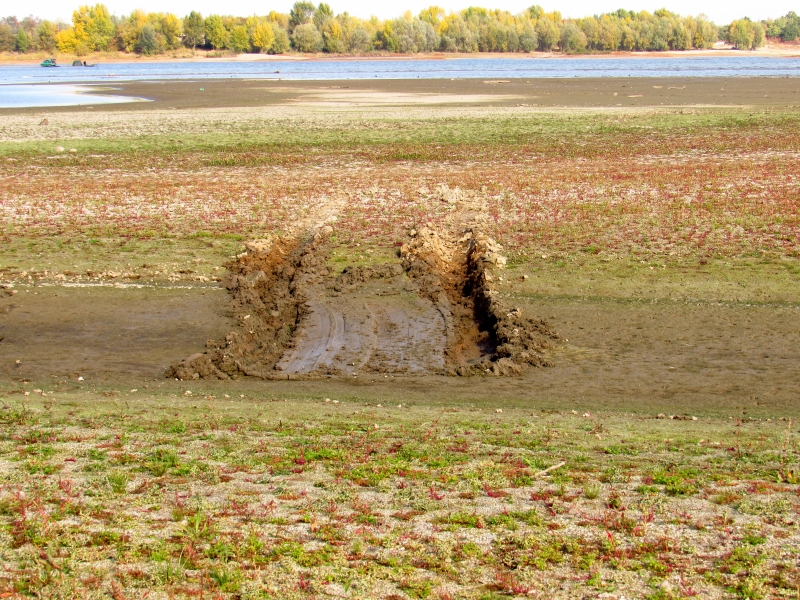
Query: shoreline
[(782, 51)]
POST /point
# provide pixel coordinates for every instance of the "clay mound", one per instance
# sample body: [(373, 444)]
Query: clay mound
[(268, 288), (518, 340), (355, 276), (436, 313), (484, 335)]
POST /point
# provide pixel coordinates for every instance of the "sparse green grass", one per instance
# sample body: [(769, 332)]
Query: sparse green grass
[(270, 498), (415, 134), (632, 204)]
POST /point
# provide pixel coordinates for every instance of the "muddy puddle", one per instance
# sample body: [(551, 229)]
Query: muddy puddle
[(432, 311), (104, 331)]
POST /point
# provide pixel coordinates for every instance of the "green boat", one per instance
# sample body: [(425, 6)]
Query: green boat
[(49, 62)]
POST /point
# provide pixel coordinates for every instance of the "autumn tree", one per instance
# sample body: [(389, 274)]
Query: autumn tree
[(263, 36), (93, 27), (744, 34)]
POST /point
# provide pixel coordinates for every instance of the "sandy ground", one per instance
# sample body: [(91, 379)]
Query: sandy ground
[(531, 93), (714, 358)]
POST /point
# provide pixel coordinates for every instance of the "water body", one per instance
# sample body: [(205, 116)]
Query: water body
[(20, 96), (738, 65)]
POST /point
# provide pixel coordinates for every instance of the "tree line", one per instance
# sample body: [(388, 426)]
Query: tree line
[(313, 28)]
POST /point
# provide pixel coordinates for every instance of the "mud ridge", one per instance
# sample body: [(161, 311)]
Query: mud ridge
[(268, 286), (484, 334)]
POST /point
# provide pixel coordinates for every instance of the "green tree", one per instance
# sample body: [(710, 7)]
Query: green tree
[(47, 36), (741, 34), (573, 40), (301, 13), (306, 38), (791, 31), (322, 15), (547, 34), (535, 12), (194, 31), (456, 35), (148, 42), (359, 40), (216, 34), (239, 39), (758, 36), (527, 37), (281, 43), (705, 34), (22, 43)]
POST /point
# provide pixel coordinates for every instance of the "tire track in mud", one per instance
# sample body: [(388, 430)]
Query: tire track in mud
[(435, 312)]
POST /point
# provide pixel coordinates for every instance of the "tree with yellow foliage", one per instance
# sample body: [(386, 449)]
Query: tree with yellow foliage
[(263, 36), (93, 27)]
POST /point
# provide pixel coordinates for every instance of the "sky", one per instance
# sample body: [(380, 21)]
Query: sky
[(720, 11)]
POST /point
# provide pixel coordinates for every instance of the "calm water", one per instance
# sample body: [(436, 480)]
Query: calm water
[(20, 96), (507, 68)]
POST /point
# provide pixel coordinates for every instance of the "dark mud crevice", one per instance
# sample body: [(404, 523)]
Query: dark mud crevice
[(518, 339)]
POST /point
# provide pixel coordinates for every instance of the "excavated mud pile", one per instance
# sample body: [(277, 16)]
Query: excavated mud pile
[(484, 335), (518, 340), (437, 312), (269, 288)]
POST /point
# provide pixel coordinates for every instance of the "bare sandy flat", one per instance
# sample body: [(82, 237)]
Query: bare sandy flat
[(532, 93)]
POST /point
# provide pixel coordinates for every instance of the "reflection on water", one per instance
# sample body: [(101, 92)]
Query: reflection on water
[(19, 96)]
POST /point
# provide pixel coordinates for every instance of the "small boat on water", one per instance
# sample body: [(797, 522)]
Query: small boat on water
[(49, 62), (77, 63)]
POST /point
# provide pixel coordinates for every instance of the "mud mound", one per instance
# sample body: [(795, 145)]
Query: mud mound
[(518, 340), (437, 312), (484, 335), (269, 294)]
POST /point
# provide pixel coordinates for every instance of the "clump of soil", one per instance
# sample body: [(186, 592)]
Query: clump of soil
[(357, 275), (268, 287), (484, 335)]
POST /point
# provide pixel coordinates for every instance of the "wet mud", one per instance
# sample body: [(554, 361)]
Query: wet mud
[(434, 311)]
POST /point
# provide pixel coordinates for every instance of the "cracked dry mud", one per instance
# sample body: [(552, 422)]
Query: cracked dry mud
[(434, 311)]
